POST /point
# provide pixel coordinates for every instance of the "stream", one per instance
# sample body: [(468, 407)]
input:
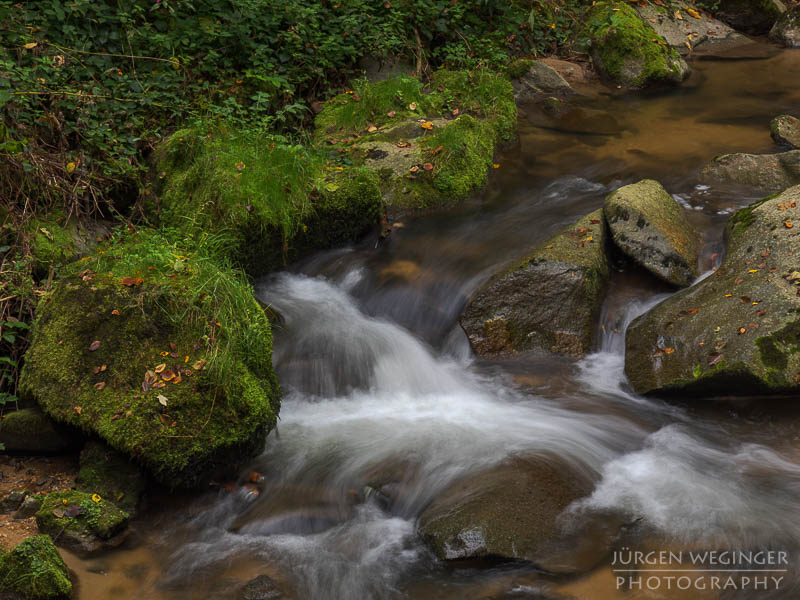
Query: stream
[(380, 385)]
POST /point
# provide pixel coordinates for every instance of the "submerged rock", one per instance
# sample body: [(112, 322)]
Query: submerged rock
[(736, 332), (766, 172), (34, 570), (650, 227), (260, 588), (131, 349), (81, 522), (30, 430), (624, 48), (507, 512), (787, 29), (785, 130), (549, 301), (751, 16), (110, 474)]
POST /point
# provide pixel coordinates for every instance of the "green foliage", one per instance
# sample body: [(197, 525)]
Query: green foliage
[(268, 201), (34, 569)]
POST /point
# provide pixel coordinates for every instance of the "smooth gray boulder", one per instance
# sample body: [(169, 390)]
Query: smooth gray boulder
[(549, 301), (509, 511), (737, 332), (785, 130), (540, 81), (765, 172), (786, 30), (650, 227)]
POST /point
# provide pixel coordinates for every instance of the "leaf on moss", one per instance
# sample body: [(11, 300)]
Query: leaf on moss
[(94, 345)]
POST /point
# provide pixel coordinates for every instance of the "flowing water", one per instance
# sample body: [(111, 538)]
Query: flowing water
[(381, 391)]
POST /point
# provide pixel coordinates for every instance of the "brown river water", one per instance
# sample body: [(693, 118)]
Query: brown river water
[(379, 383)]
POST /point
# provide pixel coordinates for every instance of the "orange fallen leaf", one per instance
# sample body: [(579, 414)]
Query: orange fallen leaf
[(197, 366), (788, 224), (391, 114), (164, 353), (94, 345), (168, 375), (428, 166), (495, 165), (414, 169), (99, 385), (159, 384), (115, 312), (161, 367), (741, 330), (669, 350), (78, 410), (177, 379), (455, 112), (131, 281)]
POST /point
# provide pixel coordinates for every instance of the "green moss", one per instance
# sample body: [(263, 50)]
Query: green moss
[(459, 149), (35, 570), (52, 241), (624, 49), (775, 350), (101, 519), (743, 218), (518, 68), (259, 194), (110, 474), (187, 305)]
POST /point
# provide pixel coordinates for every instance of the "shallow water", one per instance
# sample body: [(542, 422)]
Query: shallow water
[(380, 387)]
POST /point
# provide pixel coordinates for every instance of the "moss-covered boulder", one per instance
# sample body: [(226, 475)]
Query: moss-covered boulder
[(110, 474), (627, 50), (29, 430), (34, 570), (736, 332), (548, 302), (57, 240), (509, 512), (161, 352), (786, 30), (82, 522), (267, 203), (765, 172), (650, 227), (755, 17), (430, 145), (785, 130)]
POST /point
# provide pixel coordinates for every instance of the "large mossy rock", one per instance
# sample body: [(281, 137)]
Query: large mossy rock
[(507, 512), (755, 17), (266, 202), (29, 430), (650, 227), (787, 29), (431, 146), (736, 332), (110, 474), (81, 522), (34, 570), (160, 352), (549, 301), (535, 80), (766, 172), (57, 240), (627, 50), (785, 130)]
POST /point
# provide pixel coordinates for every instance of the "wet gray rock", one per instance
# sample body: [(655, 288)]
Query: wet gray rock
[(766, 172), (261, 588), (650, 227), (549, 301), (737, 332), (13, 500), (510, 512), (787, 29), (29, 507), (755, 17), (703, 34), (785, 130), (30, 430), (540, 81)]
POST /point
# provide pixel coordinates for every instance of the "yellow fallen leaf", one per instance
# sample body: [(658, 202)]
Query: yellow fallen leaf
[(427, 125), (96, 498), (31, 45), (160, 368), (753, 271), (495, 165), (71, 167), (693, 12)]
